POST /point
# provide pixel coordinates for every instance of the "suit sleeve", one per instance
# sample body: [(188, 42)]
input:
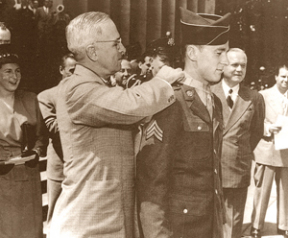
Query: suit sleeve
[(154, 167), (257, 127), (48, 110), (97, 105)]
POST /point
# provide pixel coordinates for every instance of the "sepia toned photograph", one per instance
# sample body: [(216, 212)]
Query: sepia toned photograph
[(143, 119)]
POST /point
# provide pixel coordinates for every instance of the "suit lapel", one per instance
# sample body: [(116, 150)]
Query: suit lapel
[(240, 106), (218, 90), (19, 108), (195, 104)]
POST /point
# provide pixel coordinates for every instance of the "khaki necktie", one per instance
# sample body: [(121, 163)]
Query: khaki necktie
[(210, 103)]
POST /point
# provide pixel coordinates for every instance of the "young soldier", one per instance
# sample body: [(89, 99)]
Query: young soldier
[(178, 166)]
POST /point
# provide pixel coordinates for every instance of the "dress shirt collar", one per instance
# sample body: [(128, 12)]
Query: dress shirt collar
[(31, 9), (226, 89), (46, 9), (279, 93), (90, 74)]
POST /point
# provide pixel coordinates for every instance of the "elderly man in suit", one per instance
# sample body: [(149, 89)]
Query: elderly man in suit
[(179, 189), (47, 104), (94, 119), (270, 162), (243, 116)]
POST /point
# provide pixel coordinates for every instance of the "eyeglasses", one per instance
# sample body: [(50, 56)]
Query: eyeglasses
[(117, 43)]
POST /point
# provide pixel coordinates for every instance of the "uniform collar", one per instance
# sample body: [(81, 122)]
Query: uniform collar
[(198, 85)]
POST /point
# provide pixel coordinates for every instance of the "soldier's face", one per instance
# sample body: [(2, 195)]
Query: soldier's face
[(282, 79), (235, 71), (156, 64), (211, 60)]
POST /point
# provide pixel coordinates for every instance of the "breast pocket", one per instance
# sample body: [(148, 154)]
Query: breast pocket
[(188, 215), (196, 125)]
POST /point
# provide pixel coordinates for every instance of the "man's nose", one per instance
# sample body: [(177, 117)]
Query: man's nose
[(122, 49), (14, 75), (125, 73), (224, 59), (239, 68)]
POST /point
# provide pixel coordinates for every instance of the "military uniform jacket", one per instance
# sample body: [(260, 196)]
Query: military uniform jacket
[(243, 128), (97, 198), (47, 104), (179, 188), (265, 152)]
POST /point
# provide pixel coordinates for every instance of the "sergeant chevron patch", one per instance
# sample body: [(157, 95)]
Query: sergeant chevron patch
[(154, 130)]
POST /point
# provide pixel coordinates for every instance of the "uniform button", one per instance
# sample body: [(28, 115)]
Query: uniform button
[(215, 171), (199, 128), (185, 211), (216, 191)]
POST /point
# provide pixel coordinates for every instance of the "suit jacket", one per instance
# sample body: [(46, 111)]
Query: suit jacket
[(265, 152), (26, 110), (94, 121), (42, 18), (178, 185), (47, 104), (243, 128)]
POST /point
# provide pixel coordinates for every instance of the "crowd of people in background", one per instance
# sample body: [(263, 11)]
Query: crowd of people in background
[(136, 146), (38, 36)]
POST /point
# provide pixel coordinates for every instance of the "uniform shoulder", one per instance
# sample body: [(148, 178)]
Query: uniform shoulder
[(48, 93)]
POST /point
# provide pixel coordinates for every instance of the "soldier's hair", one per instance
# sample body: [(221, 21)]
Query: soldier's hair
[(83, 30)]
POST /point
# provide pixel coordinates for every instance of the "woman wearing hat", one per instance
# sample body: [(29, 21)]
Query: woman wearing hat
[(22, 141)]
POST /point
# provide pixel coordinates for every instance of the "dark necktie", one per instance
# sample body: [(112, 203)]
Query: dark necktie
[(229, 99)]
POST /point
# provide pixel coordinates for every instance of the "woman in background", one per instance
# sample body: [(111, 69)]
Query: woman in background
[(23, 139)]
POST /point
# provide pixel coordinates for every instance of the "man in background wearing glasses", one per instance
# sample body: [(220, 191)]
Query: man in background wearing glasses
[(94, 120)]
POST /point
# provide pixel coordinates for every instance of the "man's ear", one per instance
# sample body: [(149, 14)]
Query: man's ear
[(192, 52), (139, 64), (91, 52), (60, 69)]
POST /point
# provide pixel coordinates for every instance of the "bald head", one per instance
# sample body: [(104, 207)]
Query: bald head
[(235, 71)]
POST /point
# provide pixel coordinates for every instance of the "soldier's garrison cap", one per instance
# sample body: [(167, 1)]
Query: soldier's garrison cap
[(204, 29)]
